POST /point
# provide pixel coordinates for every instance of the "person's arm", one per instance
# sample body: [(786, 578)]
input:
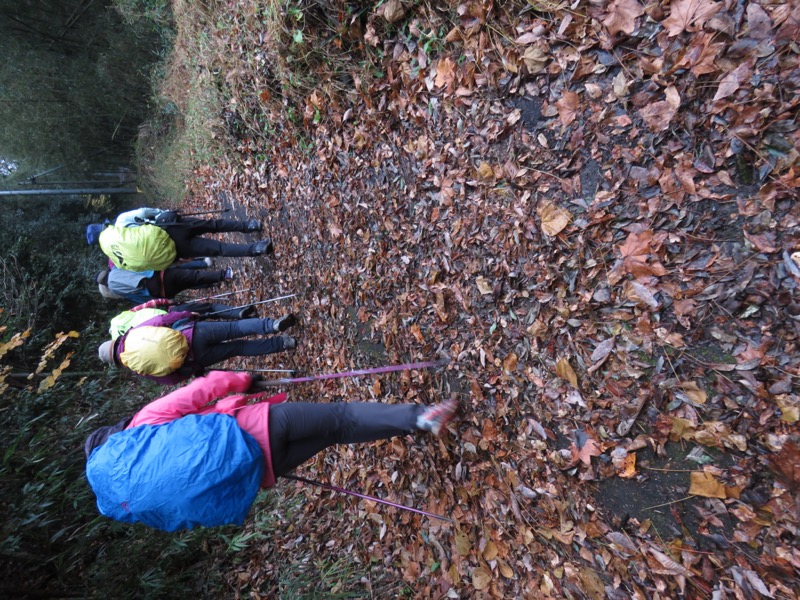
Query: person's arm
[(191, 398), (168, 319), (154, 303), (140, 216)]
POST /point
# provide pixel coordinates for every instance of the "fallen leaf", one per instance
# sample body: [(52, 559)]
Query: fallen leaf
[(628, 469), (463, 545), (490, 551), (706, 485), (568, 106), (481, 578), (445, 72), (483, 286), (642, 294), (565, 371), (485, 171), (732, 80), (764, 242), (393, 10), (622, 15), (669, 566), (689, 15), (505, 570), (585, 453), (510, 363), (554, 218), (694, 392), (603, 349)]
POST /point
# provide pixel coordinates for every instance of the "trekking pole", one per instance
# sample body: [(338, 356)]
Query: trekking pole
[(216, 296), (217, 312), (204, 212), (334, 488), (256, 370), (376, 370)]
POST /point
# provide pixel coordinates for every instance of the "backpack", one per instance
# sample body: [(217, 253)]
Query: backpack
[(143, 248), (199, 470), (155, 351), (128, 318)]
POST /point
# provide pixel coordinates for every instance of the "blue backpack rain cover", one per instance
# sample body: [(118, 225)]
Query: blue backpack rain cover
[(197, 470)]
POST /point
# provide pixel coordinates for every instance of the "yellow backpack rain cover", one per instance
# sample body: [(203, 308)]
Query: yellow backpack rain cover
[(143, 248), (156, 351)]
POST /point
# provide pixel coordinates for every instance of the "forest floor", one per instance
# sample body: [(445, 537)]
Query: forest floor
[(591, 212)]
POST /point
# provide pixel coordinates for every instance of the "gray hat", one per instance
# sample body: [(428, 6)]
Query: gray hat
[(106, 352)]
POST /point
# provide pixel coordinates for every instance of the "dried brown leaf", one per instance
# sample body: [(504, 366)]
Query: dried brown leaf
[(565, 371), (622, 15), (689, 15)]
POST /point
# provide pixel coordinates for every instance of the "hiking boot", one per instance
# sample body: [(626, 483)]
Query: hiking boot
[(228, 274), (436, 418), (289, 343), (284, 323), (264, 247), (252, 226)]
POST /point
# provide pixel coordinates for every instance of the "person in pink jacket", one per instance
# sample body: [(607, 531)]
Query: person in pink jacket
[(289, 433)]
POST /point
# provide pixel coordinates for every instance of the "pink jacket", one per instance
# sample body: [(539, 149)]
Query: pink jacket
[(195, 399)]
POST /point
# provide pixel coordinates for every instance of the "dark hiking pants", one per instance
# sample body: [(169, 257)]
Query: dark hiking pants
[(171, 282), (188, 243), (299, 430), (215, 341)]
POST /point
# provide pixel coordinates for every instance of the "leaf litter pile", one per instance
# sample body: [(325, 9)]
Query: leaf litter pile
[(590, 209)]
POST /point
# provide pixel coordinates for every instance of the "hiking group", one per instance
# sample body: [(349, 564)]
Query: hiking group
[(198, 455)]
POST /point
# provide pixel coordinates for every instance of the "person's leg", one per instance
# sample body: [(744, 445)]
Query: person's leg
[(200, 246), (299, 430), (211, 340), (201, 226), (188, 245), (223, 311), (200, 263), (179, 280)]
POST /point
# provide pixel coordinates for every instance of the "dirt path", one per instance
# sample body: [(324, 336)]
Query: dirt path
[(612, 295)]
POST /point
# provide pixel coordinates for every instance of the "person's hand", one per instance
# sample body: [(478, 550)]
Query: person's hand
[(167, 216), (255, 384)]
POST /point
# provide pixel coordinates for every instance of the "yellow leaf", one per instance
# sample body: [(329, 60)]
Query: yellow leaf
[(481, 578), (693, 392), (47, 383), (17, 340), (485, 171), (628, 469), (565, 371), (490, 551), (706, 485), (554, 219), (455, 577), (505, 570), (483, 285)]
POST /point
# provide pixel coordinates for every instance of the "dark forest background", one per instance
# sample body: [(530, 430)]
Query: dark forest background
[(75, 85)]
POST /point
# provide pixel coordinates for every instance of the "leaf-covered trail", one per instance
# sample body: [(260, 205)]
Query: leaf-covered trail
[(606, 264)]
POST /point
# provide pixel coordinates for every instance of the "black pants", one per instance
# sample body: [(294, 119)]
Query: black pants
[(185, 233), (299, 430), (171, 282), (215, 341)]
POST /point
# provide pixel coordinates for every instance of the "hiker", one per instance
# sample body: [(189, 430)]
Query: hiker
[(173, 347), (150, 239), (141, 286), (161, 306), (181, 461)]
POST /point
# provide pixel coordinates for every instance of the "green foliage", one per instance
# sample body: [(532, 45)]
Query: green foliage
[(70, 86)]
